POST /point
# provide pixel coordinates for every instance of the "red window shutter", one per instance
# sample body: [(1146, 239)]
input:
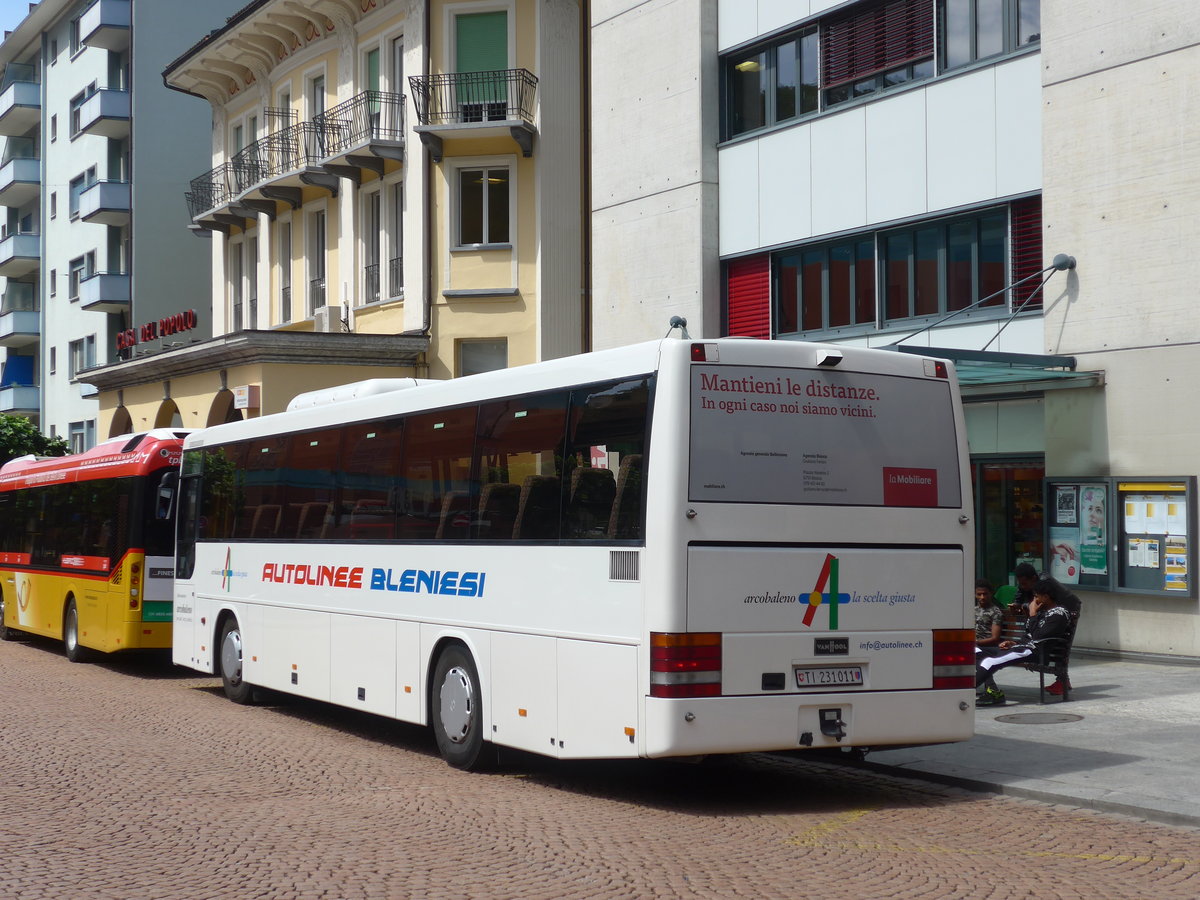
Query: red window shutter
[(1026, 249), (872, 40), (748, 298)]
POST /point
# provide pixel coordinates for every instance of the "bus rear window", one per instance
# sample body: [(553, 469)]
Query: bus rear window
[(770, 435)]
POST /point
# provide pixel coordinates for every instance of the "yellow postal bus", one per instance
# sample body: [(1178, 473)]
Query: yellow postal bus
[(86, 545)]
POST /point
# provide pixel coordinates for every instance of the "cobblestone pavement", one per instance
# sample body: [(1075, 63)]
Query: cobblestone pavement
[(135, 780)]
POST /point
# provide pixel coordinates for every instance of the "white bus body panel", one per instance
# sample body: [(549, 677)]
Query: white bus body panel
[(746, 724), (759, 598)]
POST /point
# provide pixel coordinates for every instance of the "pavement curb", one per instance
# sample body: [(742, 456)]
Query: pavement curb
[(1161, 816)]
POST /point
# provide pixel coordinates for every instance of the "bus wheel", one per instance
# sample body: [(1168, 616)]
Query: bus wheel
[(75, 652), (236, 688), (457, 709), (6, 634)]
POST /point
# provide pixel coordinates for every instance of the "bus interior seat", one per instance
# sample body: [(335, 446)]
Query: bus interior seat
[(313, 520), (590, 506), (265, 523), (627, 507), (455, 517), (537, 512), (498, 505)]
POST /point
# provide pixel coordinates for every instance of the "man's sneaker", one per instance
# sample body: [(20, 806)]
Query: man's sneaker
[(1059, 687), (990, 697)]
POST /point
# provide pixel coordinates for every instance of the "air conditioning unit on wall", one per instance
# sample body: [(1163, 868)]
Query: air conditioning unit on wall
[(325, 318)]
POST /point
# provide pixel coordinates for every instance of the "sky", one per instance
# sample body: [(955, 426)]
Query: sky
[(11, 13)]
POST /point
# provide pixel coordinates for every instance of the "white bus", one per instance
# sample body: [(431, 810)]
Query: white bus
[(674, 548)]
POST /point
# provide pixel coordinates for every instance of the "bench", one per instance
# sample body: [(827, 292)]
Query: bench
[(1050, 657)]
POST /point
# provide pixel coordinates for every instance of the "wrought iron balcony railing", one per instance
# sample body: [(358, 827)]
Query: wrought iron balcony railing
[(371, 282), (298, 146), (285, 303), (395, 276), (316, 295), (210, 190), (365, 118), (474, 97)]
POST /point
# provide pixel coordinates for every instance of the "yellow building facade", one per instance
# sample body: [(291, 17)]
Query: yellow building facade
[(397, 190)]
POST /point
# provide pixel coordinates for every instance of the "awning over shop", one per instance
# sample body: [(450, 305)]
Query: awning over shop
[(986, 374)]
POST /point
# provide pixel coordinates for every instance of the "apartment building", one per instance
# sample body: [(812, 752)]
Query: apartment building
[(90, 133), (394, 189)]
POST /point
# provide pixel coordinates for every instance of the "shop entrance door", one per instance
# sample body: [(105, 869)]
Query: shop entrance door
[(1010, 517)]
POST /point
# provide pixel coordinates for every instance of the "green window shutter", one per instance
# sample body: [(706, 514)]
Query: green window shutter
[(482, 42), (373, 70)]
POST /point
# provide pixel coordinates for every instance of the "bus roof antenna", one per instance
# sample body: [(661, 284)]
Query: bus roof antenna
[(681, 323)]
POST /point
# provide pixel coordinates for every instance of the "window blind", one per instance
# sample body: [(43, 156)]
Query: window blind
[(748, 294), (869, 41)]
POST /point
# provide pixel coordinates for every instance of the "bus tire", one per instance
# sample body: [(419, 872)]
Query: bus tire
[(6, 633), (74, 650), (458, 709), (236, 688)]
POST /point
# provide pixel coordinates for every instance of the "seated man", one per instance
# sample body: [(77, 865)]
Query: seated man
[(1026, 577), (1048, 618), (988, 616)]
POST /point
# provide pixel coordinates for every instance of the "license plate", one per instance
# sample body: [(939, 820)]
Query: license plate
[(828, 676)]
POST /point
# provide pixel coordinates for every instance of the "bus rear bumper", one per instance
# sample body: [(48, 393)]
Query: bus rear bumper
[(792, 721), (141, 636)]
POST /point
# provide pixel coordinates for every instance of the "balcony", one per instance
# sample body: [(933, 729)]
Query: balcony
[(475, 104), (19, 255), (105, 292), (18, 391), (105, 203), (20, 99), (105, 24), (105, 113), (20, 399), (361, 133), (19, 316), (20, 173)]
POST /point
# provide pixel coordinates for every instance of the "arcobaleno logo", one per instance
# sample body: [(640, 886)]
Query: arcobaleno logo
[(818, 596)]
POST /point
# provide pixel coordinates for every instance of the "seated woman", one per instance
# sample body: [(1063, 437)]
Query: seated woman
[(1048, 618)]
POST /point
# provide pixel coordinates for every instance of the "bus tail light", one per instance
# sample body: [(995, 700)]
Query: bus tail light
[(135, 585), (953, 658), (685, 664)]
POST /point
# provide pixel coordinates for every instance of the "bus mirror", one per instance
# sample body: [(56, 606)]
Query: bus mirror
[(165, 507)]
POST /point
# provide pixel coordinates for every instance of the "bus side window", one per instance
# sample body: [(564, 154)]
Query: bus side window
[(436, 467), (310, 485), (519, 454), (606, 445), (370, 469), (223, 499), (188, 526)]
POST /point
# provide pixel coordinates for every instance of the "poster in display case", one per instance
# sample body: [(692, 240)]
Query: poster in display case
[(1136, 535)]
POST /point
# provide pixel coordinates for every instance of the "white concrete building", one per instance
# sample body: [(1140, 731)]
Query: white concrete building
[(907, 173), (91, 135)]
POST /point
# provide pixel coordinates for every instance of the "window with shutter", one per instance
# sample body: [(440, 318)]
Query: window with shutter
[(1026, 250), (875, 47), (748, 296), (481, 46)]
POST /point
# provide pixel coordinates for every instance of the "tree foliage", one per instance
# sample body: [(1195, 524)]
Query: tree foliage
[(19, 436)]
